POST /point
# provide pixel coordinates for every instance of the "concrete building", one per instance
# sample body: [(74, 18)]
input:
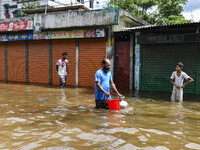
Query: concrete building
[(30, 46), (8, 7), (156, 50)]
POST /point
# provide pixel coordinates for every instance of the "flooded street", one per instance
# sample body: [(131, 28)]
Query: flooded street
[(66, 120)]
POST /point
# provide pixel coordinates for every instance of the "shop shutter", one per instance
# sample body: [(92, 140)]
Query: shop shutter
[(91, 54), (122, 62), (58, 47), (38, 61), (16, 61), (158, 63), (2, 62)]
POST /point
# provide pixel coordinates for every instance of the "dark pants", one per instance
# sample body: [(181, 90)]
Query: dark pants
[(101, 104)]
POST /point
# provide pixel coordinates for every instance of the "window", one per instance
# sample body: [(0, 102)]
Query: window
[(80, 1), (6, 9), (91, 3)]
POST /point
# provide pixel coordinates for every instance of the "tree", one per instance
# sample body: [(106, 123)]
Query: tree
[(27, 4), (167, 11), (170, 12)]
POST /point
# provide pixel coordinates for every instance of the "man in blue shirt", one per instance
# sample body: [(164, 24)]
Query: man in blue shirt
[(103, 80)]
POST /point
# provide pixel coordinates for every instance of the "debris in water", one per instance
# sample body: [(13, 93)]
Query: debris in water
[(42, 99)]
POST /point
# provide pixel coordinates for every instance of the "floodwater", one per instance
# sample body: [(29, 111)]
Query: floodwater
[(68, 121)]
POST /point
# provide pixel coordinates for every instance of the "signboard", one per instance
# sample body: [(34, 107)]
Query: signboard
[(22, 25), (89, 33), (16, 26), (4, 26), (42, 35), (92, 33), (37, 23), (166, 38), (100, 33), (17, 37), (75, 34), (59, 35)]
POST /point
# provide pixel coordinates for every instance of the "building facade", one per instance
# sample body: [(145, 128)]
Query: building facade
[(31, 46), (8, 8), (156, 50)]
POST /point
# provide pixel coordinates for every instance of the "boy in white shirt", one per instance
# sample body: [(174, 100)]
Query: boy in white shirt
[(179, 76), (62, 69)]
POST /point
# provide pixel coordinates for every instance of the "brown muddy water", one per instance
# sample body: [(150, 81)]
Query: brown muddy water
[(68, 121)]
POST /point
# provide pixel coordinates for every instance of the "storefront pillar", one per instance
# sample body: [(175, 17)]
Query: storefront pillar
[(6, 69), (131, 62)]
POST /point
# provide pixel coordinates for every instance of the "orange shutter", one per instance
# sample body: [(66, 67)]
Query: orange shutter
[(2, 62), (58, 47), (16, 61), (38, 61), (91, 54)]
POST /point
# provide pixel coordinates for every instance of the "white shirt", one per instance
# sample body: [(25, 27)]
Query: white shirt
[(179, 80), (62, 69)]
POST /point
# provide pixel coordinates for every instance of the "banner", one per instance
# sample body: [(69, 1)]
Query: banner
[(37, 23), (4, 26), (75, 34), (59, 35), (22, 25), (42, 35), (16, 26), (89, 33), (17, 37), (100, 33)]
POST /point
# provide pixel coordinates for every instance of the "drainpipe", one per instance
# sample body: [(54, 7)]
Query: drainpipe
[(110, 49), (137, 63)]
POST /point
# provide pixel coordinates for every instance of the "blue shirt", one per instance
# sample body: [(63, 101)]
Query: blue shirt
[(104, 79)]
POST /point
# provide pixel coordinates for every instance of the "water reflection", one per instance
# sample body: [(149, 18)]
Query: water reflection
[(67, 120)]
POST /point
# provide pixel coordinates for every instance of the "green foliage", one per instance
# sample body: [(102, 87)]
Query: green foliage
[(167, 12), (27, 4)]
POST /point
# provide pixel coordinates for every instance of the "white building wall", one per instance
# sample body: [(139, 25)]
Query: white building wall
[(56, 3)]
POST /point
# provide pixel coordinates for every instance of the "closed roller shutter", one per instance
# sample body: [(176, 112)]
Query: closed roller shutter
[(16, 61), (122, 69), (158, 63), (91, 54), (38, 61), (2, 62), (58, 46)]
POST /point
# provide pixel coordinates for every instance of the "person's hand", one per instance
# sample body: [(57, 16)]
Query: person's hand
[(183, 86), (120, 95), (107, 94), (178, 87)]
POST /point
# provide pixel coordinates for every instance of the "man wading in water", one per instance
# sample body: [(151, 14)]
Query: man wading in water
[(62, 69), (103, 80)]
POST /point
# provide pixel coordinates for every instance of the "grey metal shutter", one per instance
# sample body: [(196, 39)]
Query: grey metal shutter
[(158, 62)]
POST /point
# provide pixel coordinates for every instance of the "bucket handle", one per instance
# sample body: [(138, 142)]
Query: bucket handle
[(112, 94)]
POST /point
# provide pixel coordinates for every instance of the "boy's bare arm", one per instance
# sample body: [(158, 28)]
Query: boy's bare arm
[(174, 83), (190, 80)]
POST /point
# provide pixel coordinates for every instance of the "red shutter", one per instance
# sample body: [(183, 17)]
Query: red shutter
[(91, 54), (58, 47), (16, 61), (38, 61)]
